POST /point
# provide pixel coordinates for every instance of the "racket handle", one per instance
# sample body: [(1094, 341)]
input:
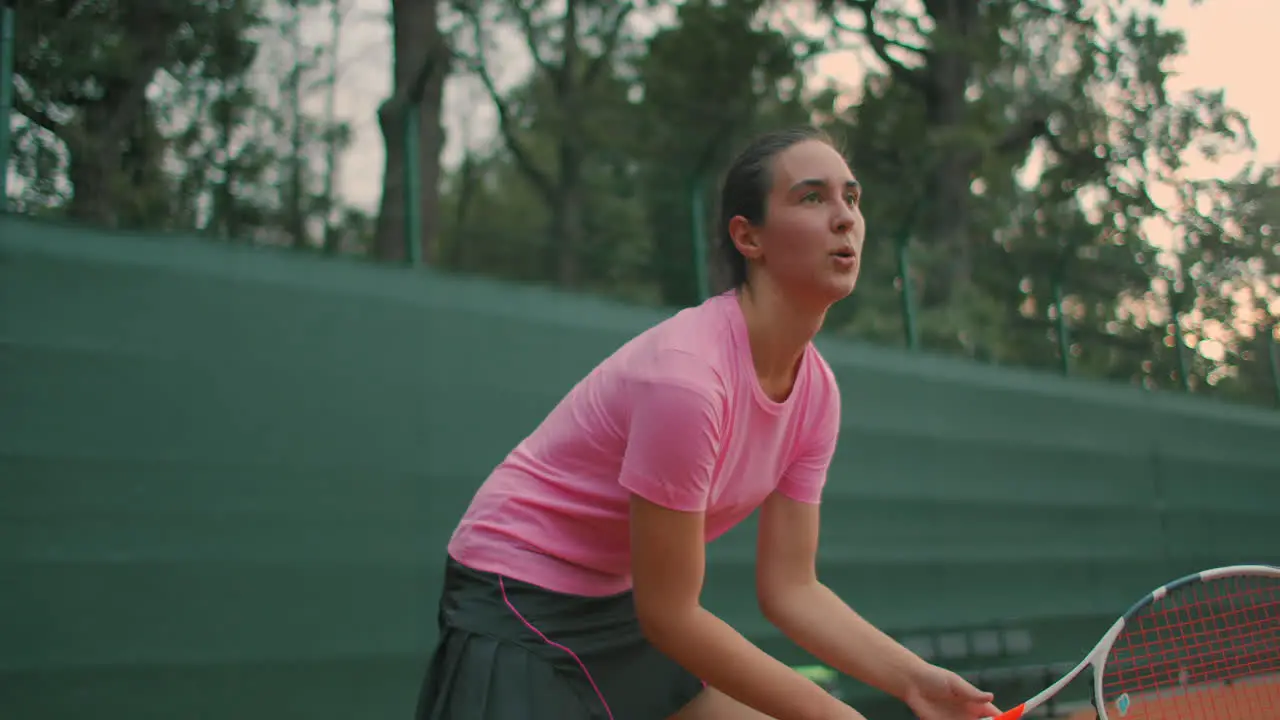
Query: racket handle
[(1011, 714)]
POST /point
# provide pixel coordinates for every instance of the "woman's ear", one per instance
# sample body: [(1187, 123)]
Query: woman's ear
[(745, 237)]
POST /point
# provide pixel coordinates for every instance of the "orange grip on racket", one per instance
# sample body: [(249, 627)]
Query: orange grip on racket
[(1012, 713)]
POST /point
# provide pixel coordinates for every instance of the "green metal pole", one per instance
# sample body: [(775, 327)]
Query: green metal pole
[(699, 240), (1178, 349), (908, 305), (412, 185), (1064, 341), (1273, 354), (6, 96)]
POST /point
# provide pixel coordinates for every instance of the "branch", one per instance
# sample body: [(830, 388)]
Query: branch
[(433, 60), (506, 125), (881, 45), (917, 25), (840, 25), (525, 16), (814, 48), (38, 116), (562, 79), (609, 42), (1072, 13)]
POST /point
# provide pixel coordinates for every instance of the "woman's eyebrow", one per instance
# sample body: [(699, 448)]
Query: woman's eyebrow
[(822, 184)]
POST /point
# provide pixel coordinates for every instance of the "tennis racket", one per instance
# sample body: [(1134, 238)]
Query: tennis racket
[(1204, 647)]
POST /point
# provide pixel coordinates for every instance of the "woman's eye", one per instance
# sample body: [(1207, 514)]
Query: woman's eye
[(852, 199), (812, 197)]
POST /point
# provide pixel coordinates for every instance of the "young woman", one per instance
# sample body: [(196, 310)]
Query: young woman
[(573, 580)]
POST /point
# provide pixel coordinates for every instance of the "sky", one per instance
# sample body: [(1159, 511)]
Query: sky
[(1224, 38), (1223, 41)]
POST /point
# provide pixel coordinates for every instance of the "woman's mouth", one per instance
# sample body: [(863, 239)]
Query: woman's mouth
[(844, 259)]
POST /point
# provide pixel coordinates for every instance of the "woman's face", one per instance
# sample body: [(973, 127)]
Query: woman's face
[(810, 244)]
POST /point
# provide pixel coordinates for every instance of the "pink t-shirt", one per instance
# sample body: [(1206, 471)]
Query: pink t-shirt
[(676, 416)]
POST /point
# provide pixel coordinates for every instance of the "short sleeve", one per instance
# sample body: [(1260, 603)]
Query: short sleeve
[(674, 434), (806, 476)]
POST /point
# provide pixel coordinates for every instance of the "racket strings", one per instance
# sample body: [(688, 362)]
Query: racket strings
[(1206, 651)]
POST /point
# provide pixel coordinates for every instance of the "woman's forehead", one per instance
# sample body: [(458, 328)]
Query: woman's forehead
[(810, 162)]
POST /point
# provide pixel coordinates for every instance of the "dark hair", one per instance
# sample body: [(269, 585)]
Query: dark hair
[(747, 184)]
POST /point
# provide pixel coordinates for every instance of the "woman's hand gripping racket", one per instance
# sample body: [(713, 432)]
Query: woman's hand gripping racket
[(1205, 647)]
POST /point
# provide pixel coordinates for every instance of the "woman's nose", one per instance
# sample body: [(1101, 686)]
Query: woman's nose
[(845, 219)]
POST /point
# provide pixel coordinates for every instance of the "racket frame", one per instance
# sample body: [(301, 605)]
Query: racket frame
[(1097, 657)]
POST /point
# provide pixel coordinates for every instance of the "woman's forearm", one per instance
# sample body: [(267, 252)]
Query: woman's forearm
[(817, 620), (709, 648)]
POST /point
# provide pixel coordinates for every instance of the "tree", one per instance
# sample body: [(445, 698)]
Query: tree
[(1037, 137), (573, 51), (83, 76), (1229, 257), (162, 116), (689, 123), (421, 64)]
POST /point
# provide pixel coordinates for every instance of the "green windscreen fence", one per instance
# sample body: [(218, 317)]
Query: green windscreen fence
[(227, 477)]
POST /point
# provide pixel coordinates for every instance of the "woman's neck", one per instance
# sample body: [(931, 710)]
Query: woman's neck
[(778, 332)]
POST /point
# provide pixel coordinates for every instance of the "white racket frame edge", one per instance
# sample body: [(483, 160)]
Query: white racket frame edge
[(1097, 657)]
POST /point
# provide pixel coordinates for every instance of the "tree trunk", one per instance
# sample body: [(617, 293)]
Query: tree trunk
[(567, 231), (947, 77), (96, 146), (417, 39), (92, 183)]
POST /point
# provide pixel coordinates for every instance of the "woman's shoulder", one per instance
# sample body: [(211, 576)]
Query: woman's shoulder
[(822, 369), (821, 386), (688, 348)]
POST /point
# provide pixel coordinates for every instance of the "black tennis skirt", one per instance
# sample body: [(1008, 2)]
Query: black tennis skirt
[(508, 650)]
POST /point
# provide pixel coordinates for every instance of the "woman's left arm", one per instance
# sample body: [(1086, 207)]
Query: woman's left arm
[(793, 599), (787, 585)]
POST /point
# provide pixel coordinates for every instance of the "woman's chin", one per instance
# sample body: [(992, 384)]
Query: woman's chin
[(839, 288)]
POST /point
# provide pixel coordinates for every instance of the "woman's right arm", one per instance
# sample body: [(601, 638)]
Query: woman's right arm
[(677, 413), (668, 562)]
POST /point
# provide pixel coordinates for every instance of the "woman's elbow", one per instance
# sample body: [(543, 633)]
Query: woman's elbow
[(661, 619), (779, 600), (771, 607)]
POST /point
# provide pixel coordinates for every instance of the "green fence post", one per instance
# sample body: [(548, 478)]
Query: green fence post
[(405, 101), (1064, 340), (908, 305), (1273, 355), (902, 252), (6, 95), (1058, 280), (699, 240), (904, 273), (1180, 357), (412, 184)]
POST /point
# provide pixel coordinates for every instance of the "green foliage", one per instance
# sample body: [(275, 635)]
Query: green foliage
[(1019, 149), (1044, 150), (157, 115), (707, 82)]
